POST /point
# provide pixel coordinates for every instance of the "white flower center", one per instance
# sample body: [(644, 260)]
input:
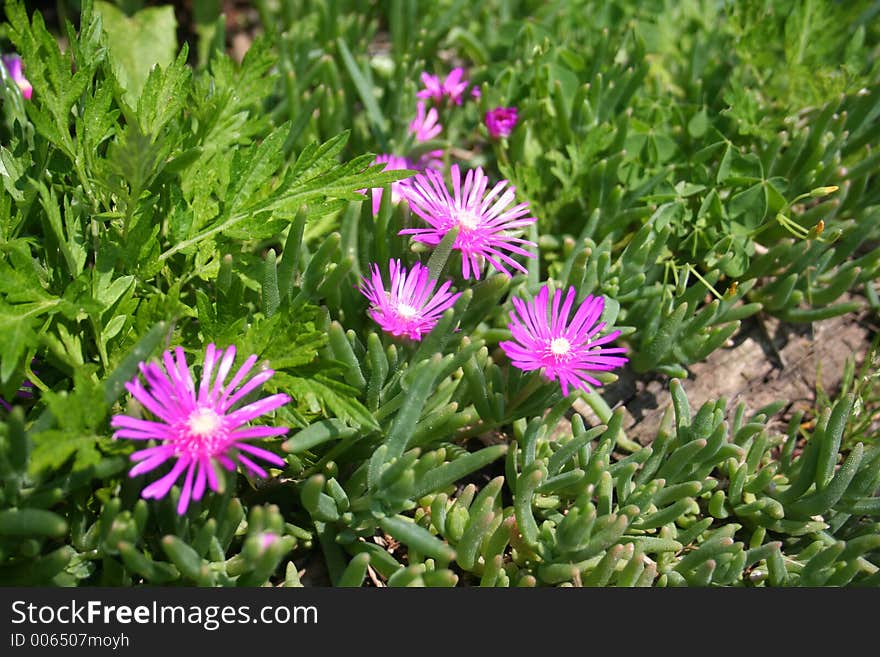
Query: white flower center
[(204, 422), (559, 347), (406, 311), (467, 219)]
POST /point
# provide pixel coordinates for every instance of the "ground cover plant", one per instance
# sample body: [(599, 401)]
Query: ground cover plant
[(345, 312)]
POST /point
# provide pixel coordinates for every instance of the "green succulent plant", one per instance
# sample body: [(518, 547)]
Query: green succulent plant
[(675, 168)]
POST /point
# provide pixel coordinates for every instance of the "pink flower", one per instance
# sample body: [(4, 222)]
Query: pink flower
[(487, 226), (425, 125), (13, 66), (453, 87), (267, 540), (410, 307), (432, 160), (433, 88), (501, 121), (198, 429), (392, 163), (565, 353)]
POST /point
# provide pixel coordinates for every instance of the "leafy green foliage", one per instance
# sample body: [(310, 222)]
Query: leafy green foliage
[(138, 43)]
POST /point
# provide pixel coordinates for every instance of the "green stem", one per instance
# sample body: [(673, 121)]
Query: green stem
[(482, 427), (33, 378), (501, 152), (711, 288), (531, 387), (102, 348), (604, 413), (438, 259), (474, 430)]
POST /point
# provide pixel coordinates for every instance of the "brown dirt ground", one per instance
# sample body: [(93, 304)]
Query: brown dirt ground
[(765, 362)]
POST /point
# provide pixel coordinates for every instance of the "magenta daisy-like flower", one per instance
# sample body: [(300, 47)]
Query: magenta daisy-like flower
[(566, 351), (501, 121), (392, 163), (453, 87), (487, 225), (198, 429), (425, 125), (14, 67), (409, 307)]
